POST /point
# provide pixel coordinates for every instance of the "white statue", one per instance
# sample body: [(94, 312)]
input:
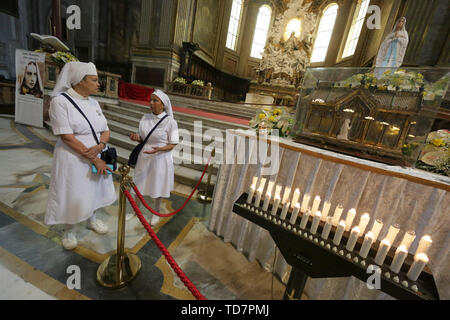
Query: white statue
[(345, 129), (393, 48)]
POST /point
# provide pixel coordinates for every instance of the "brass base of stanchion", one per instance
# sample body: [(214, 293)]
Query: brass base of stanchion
[(109, 276), (204, 198)]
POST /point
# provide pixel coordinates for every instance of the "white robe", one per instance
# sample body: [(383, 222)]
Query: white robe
[(75, 192), (154, 173)]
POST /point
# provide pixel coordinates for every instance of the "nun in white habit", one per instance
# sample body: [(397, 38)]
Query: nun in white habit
[(154, 171), (75, 192)]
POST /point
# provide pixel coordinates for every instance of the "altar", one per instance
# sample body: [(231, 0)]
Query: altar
[(415, 200)]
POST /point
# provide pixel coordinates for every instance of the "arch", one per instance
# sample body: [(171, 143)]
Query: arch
[(325, 30), (261, 31)]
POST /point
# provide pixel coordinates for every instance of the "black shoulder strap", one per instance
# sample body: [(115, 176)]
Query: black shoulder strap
[(151, 131), (78, 108)]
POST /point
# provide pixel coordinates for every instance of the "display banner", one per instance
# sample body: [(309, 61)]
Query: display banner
[(30, 69)]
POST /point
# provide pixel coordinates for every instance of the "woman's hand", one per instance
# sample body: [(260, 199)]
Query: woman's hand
[(92, 152), (101, 166), (154, 150), (168, 147), (135, 137)]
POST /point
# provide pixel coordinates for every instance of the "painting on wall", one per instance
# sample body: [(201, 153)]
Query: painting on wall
[(205, 28)]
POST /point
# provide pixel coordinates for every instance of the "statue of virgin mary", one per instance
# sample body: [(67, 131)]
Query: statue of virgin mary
[(393, 48)]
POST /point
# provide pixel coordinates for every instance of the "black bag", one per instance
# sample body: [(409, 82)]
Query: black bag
[(137, 150), (110, 154)]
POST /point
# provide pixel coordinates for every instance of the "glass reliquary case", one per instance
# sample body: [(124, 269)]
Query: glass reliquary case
[(378, 114)]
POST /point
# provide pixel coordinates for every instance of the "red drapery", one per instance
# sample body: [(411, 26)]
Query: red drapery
[(134, 91)]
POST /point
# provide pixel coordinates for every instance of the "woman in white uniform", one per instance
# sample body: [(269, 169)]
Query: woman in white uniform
[(75, 192), (154, 171)]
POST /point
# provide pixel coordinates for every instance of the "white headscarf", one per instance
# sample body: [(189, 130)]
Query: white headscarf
[(165, 100), (71, 74)]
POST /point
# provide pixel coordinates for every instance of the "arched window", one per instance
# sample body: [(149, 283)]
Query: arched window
[(261, 30), (323, 37), (233, 27), (355, 30), (294, 25)]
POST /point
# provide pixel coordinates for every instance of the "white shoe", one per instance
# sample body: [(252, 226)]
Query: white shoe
[(155, 220), (97, 226), (69, 241)]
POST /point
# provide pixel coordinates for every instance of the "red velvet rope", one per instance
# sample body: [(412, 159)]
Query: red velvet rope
[(141, 198), (164, 250)]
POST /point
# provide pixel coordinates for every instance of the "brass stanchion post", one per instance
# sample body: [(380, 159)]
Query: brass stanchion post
[(205, 197), (120, 267)]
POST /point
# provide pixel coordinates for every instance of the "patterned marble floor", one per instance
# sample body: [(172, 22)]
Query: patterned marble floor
[(34, 265)]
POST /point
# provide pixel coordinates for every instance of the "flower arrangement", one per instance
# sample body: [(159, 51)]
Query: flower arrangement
[(435, 155), (199, 83), (60, 56), (277, 118), (180, 80)]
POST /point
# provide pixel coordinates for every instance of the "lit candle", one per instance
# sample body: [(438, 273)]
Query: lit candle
[(305, 218), (424, 245), (270, 186), (315, 223), (251, 193), (408, 239), (287, 192), (278, 191), (339, 232), (327, 228), (305, 202), (400, 255), (349, 219), (383, 250), (367, 244), (353, 238), (392, 233), (285, 210), (295, 213), (258, 198), (337, 214), (276, 203), (262, 184), (325, 210), (363, 222), (295, 198), (377, 226), (267, 201), (420, 260), (316, 204)]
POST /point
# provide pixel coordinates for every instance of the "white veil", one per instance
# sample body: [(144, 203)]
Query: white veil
[(71, 74)]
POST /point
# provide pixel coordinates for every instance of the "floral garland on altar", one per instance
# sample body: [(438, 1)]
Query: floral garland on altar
[(61, 56), (278, 118)]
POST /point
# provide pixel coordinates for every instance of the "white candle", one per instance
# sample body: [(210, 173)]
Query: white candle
[(367, 244), (392, 233), (353, 238), (327, 228), (408, 239), (325, 210), (295, 213), (295, 198), (285, 210), (305, 218), (286, 194), (400, 255), (339, 232), (278, 191), (251, 193), (377, 226), (270, 187), (262, 184), (305, 202), (316, 204), (424, 245), (258, 198), (383, 250), (267, 201), (349, 219), (337, 214), (420, 260), (276, 203), (363, 222), (316, 220)]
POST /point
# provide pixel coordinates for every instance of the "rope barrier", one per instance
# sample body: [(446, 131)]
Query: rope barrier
[(165, 215), (164, 250)]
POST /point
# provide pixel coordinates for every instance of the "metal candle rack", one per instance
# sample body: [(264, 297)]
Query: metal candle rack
[(311, 256)]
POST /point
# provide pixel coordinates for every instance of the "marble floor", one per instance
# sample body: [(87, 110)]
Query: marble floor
[(33, 264)]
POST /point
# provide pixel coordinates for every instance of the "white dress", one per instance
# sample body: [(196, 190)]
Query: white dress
[(154, 173), (75, 192)]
